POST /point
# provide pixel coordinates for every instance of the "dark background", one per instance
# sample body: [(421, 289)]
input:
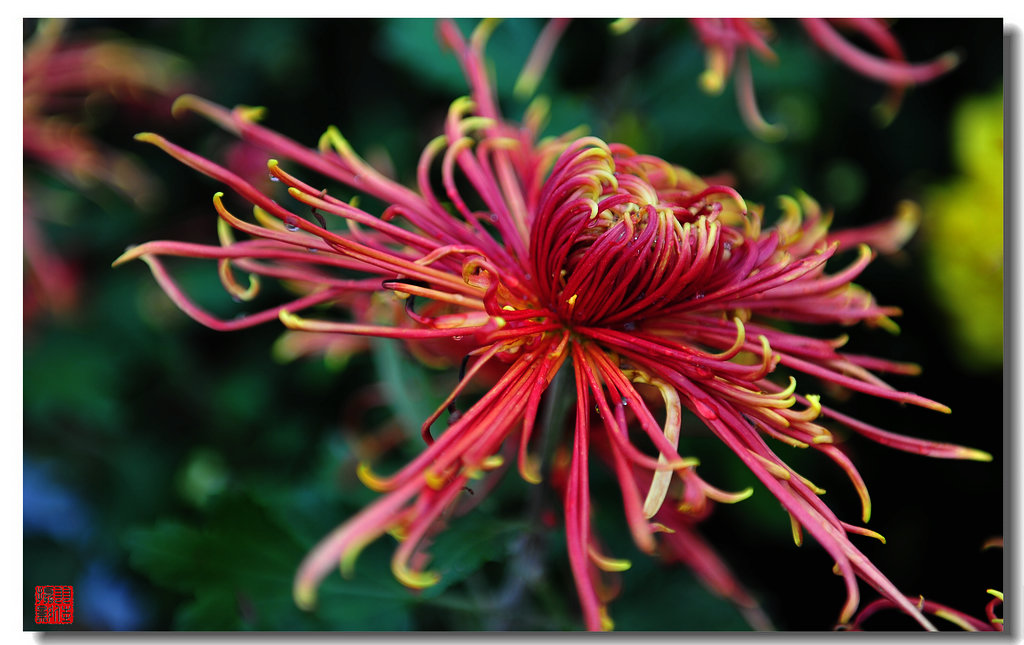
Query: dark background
[(176, 475)]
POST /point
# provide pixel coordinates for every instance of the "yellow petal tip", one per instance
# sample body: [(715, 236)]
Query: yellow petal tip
[(305, 596), (975, 455)]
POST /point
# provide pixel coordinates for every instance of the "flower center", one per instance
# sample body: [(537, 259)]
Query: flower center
[(621, 237)]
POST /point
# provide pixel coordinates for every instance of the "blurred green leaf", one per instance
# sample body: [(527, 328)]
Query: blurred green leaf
[(80, 379), (411, 388), (212, 610), (467, 544), (656, 597), (239, 569), (413, 44)]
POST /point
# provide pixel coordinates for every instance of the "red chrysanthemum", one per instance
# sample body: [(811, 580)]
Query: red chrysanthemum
[(661, 293)]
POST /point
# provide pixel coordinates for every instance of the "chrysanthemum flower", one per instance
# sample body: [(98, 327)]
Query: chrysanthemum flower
[(661, 294), (728, 43)]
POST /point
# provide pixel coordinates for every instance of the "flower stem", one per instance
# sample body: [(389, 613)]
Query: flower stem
[(525, 570)]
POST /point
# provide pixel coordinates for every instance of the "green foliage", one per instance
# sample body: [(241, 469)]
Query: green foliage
[(234, 570), (411, 43), (654, 594), (238, 568), (472, 541), (410, 386)]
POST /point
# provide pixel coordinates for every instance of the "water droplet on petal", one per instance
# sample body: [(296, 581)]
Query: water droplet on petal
[(625, 401), (273, 178), (456, 337), (629, 326), (698, 295)]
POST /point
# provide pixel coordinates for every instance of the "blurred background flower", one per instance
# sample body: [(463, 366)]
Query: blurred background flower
[(71, 88), (729, 42), (188, 459), (963, 234)]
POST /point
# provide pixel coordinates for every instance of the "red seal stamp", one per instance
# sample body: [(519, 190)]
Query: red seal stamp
[(55, 605)]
